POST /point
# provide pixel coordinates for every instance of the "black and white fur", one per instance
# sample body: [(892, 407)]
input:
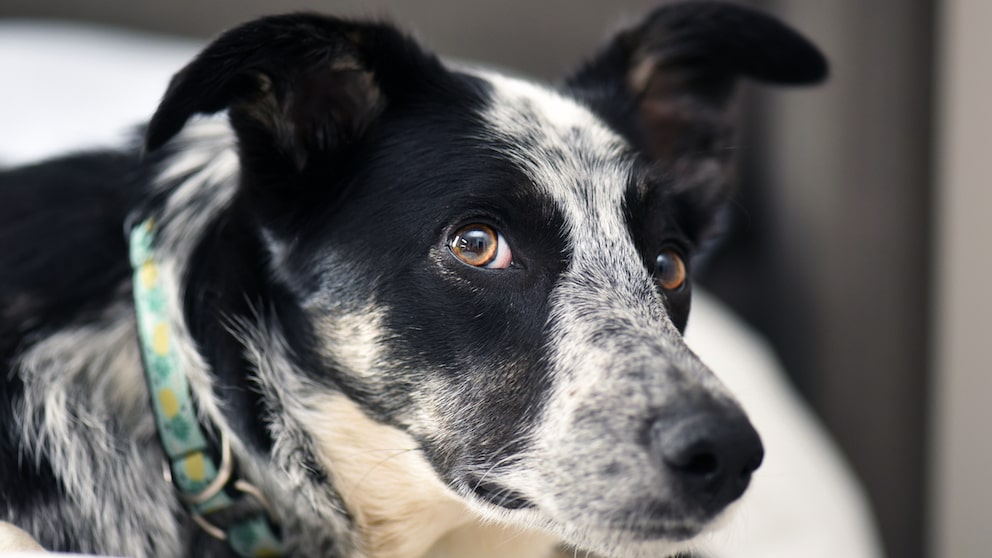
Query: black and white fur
[(387, 398)]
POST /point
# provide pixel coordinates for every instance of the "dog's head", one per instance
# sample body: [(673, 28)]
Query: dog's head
[(500, 269)]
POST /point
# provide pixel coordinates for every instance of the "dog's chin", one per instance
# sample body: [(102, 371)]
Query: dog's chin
[(645, 538), (634, 537)]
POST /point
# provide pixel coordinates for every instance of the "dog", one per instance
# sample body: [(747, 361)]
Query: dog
[(346, 299)]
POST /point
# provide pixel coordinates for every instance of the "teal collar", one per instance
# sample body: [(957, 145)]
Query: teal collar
[(205, 489)]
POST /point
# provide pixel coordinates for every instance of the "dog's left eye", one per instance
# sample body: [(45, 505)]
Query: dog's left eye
[(670, 270), (480, 245)]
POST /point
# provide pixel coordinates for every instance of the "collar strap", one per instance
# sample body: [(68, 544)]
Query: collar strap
[(191, 466)]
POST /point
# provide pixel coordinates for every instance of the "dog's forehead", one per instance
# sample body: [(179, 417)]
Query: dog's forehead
[(569, 154)]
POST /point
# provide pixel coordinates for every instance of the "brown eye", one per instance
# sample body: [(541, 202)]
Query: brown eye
[(481, 246), (670, 270)]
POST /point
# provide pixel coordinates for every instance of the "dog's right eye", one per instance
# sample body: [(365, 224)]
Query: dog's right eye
[(480, 245)]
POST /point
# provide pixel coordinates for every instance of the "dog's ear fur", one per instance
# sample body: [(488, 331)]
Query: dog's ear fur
[(295, 85), (667, 85)]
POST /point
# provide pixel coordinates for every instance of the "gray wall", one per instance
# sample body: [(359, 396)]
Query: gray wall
[(962, 448)]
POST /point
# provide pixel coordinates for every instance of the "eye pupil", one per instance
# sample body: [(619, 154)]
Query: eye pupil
[(475, 244), (670, 270)]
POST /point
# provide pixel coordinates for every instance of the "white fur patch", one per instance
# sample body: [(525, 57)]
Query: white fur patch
[(403, 509), (352, 339)]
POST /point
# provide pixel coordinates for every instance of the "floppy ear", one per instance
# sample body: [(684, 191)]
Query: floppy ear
[(667, 85), (295, 85)]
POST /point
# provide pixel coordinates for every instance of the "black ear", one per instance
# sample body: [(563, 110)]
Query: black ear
[(294, 84), (667, 83)]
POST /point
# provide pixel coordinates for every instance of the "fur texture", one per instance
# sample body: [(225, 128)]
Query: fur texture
[(388, 395)]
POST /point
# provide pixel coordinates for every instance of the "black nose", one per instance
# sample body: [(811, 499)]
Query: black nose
[(710, 455)]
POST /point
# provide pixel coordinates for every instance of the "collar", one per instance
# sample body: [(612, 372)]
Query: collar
[(206, 489)]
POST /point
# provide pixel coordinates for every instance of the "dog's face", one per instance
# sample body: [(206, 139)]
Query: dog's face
[(500, 269)]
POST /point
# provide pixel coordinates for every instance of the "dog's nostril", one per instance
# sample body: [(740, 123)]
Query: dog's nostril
[(702, 464), (692, 459)]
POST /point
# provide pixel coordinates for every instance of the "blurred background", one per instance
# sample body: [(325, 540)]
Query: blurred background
[(860, 235)]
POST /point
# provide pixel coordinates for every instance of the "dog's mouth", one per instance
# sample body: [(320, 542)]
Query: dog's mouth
[(656, 530), (498, 495)]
